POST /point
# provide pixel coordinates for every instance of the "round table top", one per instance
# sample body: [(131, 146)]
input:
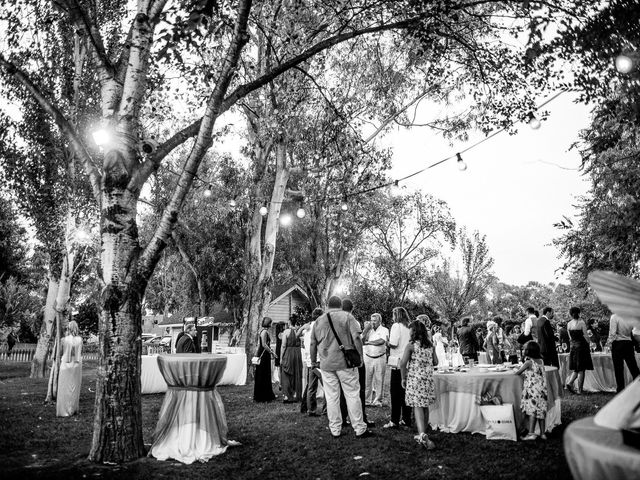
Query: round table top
[(483, 372), (192, 369)]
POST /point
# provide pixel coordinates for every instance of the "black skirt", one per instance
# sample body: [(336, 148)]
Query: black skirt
[(579, 355)]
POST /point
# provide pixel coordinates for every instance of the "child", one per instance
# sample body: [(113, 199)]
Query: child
[(416, 368), (534, 392)]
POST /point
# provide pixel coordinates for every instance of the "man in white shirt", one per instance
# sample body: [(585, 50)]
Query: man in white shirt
[(620, 332), (529, 323), (375, 360)]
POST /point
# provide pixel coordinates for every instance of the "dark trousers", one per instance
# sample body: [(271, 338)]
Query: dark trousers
[(310, 395), (362, 378), (621, 352), (398, 406)]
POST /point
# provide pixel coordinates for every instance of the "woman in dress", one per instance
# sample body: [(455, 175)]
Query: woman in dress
[(511, 345), (416, 368), (262, 391), (70, 378), (440, 342), (579, 354), (492, 344), (534, 392), (291, 364), (399, 338)]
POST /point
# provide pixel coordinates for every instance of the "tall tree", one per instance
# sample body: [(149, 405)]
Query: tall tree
[(460, 282), (123, 56)]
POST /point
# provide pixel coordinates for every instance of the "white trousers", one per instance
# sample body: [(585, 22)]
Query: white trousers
[(348, 380), (376, 368)]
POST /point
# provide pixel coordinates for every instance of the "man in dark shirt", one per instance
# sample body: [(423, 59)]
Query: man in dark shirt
[(547, 338), (468, 341), (185, 343)]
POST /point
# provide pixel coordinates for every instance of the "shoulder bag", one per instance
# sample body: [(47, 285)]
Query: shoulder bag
[(351, 355), (255, 360)]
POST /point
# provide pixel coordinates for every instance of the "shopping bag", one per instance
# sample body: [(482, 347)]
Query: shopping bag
[(500, 422)]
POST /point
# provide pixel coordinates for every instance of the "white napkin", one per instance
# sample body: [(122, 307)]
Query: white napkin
[(623, 410)]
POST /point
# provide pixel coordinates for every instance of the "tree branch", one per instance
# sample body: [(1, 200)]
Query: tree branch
[(191, 130), (152, 252), (63, 124)]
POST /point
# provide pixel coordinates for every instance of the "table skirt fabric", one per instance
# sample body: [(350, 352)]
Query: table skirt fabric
[(235, 372), (457, 410), (601, 378), (192, 425), (598, 453)]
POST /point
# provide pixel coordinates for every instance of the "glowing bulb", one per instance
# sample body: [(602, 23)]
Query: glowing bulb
[(207, 193), (624, 63), (534, 123), (101, 137), (285, 220), (461, 165), (264, 211), (301, 213), (232, 203), (82, 235)]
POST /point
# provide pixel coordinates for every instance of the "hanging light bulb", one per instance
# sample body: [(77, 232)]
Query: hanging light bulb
[(285, 220), (624, 63), (344, 206), (101, 136), (207, 193), (461, 165), (300, 213), (233, 202), (533, 122), (263, 210)]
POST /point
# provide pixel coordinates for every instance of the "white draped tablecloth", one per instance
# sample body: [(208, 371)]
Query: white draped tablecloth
[(598, 453), (192, 425), (235, 372), (457, 394), (601, 378)]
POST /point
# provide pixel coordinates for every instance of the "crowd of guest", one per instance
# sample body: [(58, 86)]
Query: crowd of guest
[(316, 354)]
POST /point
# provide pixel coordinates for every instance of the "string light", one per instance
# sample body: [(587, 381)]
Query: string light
[(208, 192), (263, 210), (300, 213), (101, 136), (533, 122), (233, 202), (285, 220), (624, 63), (461, 165), (344, 206)]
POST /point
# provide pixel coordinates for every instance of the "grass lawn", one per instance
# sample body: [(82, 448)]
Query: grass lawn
[(277, 442)]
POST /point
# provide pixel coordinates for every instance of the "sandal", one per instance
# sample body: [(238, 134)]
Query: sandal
[(531, 436), (543, 437), (390, 425), (424, 441)]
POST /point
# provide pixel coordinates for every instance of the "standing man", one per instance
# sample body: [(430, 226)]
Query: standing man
[(326, 353), (547, 338), (468, 341), (620, 332), (529, 325), (186, 343), (375, 360)]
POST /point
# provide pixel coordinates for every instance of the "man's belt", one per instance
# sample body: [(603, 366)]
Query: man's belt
[(377, 356)]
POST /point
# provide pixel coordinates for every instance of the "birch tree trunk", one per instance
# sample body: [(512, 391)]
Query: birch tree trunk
[(259, 259), (117, 427), (39, 363)]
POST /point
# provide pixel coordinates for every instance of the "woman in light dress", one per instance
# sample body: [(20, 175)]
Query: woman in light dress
[(441, 343), (70, 378), (398, 340)]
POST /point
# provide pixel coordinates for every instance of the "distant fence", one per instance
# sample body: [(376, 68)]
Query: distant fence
[(24, 352)]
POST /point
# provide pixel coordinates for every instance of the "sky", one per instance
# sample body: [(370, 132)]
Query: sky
[(513, 191)]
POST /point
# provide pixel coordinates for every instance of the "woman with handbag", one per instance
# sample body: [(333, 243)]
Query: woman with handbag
[(398, 341), (262, 391)]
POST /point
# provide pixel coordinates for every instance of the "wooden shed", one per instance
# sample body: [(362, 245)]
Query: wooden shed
[(284, 300)]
